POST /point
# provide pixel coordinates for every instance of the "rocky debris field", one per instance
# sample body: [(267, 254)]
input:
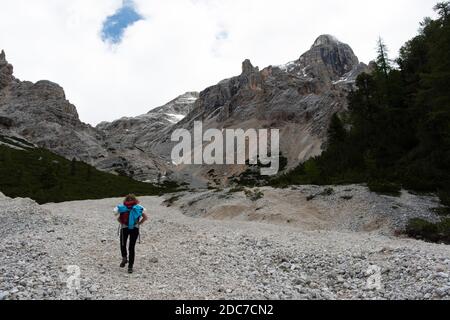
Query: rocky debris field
[(28, 269), (184, 257), (350, 208)]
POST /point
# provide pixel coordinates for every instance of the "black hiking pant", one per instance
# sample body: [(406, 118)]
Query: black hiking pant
[(133, 235)]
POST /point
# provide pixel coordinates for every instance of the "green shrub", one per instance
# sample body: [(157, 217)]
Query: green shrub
[(444, 230), (169, 202), (442, 211), (444, 196), (236, 189), (419, 228), (385, 188), (254, 195), (425, 230), (327, 192)]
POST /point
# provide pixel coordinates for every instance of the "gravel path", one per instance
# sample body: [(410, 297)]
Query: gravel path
[(181, 257)]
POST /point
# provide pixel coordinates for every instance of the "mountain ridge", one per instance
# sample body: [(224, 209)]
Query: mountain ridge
[(299, 98)]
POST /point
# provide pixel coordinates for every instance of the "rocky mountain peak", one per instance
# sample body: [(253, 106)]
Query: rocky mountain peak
[(40, 113), (181, 105), (326, 40), (329, 59)]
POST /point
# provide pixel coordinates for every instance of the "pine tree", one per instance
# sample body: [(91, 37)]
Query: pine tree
[(159, 178), (73, 167), (443, 9), (336, 132), (382, 60), (89, 173), (48, 177)]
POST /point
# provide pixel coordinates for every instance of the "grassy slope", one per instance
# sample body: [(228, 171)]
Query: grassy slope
[(46, 177)]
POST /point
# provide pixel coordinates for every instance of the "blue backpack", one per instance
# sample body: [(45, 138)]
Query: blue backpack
[(131, 216)]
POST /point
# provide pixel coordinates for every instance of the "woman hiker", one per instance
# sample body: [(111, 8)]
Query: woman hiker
[(131, 216)]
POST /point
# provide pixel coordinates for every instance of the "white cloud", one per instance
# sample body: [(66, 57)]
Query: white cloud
[(180, 46)]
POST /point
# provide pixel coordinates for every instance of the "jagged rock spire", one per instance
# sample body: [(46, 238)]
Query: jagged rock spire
[(6, 71), (247, 67), (251, 75)]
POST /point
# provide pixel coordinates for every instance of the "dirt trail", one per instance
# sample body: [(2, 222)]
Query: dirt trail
[(195, 258)]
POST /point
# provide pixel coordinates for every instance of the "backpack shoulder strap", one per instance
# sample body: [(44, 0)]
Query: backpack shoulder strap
[(122, 209)]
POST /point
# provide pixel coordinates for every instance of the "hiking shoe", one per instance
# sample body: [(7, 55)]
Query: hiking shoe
[(130, 270), (124, 263)]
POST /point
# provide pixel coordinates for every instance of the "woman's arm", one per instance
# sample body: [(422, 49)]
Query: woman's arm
[(144, 218)]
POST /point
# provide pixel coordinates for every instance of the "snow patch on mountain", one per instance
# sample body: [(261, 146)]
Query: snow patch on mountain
[(175, 118)]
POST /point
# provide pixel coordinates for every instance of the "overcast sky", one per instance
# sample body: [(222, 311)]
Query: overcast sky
[(119, 58)]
